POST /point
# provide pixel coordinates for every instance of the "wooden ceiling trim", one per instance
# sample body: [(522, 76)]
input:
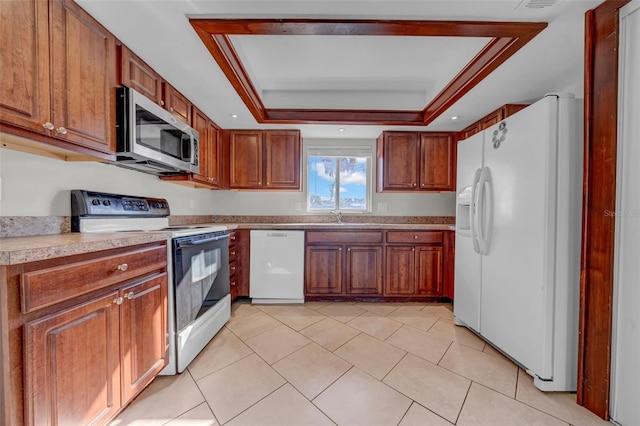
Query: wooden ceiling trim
[(506, 39), (367, 27), (483, 64), (315, 116), (225, 55)]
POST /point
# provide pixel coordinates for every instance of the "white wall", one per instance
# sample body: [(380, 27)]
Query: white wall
[(39, 186)]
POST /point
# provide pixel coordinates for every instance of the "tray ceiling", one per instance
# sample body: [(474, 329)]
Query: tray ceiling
[(302, 65)]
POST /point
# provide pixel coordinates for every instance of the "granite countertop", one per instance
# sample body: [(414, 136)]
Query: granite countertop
[(18, 250), (344, 225)]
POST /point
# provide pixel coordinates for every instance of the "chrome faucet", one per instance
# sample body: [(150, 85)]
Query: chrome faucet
[(338, 214)]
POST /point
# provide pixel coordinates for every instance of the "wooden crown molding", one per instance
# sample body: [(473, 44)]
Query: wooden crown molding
[(506, 39)]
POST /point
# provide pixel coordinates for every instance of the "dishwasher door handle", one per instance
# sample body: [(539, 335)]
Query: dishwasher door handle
[(278, 234)]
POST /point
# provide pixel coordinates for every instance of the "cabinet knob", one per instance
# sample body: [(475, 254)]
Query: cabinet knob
[(415, 237), (129, 295), (233, 268), (233, 253), (413, 249), (414, 185), (48, 125), (161, 103), (171, 109), (61, 130), (340, 249), (233, 283), (118, 300), (123, 267)]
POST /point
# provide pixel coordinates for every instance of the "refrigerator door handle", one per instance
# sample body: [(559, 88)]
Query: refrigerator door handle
[(473, 211), (484, 210)]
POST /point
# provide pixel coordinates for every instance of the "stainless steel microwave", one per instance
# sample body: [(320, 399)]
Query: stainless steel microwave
[(152, 140)]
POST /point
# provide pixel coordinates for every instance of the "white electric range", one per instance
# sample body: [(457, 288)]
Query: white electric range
[(199, 303)]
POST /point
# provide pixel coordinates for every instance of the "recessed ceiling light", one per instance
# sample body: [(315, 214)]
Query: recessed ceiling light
[(341, 129), (234, 115), (455, 117)]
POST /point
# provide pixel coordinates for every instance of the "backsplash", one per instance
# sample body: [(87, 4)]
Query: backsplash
[(24, 226), (185, 220)]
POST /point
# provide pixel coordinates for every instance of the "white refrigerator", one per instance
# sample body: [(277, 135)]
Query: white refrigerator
[(518, 227)]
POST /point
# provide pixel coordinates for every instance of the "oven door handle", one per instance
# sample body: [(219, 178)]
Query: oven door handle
[(197, 243)]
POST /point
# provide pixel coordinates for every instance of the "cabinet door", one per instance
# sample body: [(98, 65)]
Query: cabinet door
[(72, 358), (83, 66), (364, 270), (282, 159), (139, 76), (24, 61), (177, 103), (429, 271), (215, 158), (245, 156), (144, 343), (401, 271), (437, 162), (201, 125), (398, 160), (323, 270)]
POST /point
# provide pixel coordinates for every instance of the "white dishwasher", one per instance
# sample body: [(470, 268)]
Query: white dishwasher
[(276, 270)]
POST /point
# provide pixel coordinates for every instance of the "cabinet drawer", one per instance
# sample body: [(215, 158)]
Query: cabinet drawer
[(46, 287), (233, 254), (233, 268), (347, 237), (415, 237)]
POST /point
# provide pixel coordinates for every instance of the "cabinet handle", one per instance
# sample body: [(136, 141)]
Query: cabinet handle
[(129, 295), (48, 125), (118, 300), (61, 130), (123, 267)]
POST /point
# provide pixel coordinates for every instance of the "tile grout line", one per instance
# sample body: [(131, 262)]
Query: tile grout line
[(203, 396), (464, 402)]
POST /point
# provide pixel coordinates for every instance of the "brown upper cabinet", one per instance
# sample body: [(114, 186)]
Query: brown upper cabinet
[(491, 119), (416, 161), (212, 158), (264, 159), (59, 75), (176, 103), (139, 76)]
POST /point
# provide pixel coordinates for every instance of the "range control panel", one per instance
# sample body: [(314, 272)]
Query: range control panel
[(101, 204)]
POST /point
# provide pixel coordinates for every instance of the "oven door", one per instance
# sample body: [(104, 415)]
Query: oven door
[(201, 274)]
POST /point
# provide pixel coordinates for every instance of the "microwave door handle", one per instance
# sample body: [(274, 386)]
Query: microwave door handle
[(197, 243)]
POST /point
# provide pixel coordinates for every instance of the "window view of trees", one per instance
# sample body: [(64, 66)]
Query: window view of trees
[(337, 183)]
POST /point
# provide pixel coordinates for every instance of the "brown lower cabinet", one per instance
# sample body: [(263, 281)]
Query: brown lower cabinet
[(239, 263), (80, 357), (376, 264)]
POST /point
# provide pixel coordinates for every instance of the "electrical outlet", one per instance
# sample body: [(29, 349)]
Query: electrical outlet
[(382, 207), (191, 204)]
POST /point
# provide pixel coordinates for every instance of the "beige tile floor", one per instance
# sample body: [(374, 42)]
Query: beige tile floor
[(349, 364)]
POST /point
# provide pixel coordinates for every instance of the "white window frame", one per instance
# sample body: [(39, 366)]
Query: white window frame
[(341, 152)]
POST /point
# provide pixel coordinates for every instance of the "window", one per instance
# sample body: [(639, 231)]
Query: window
[(339, 179)]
